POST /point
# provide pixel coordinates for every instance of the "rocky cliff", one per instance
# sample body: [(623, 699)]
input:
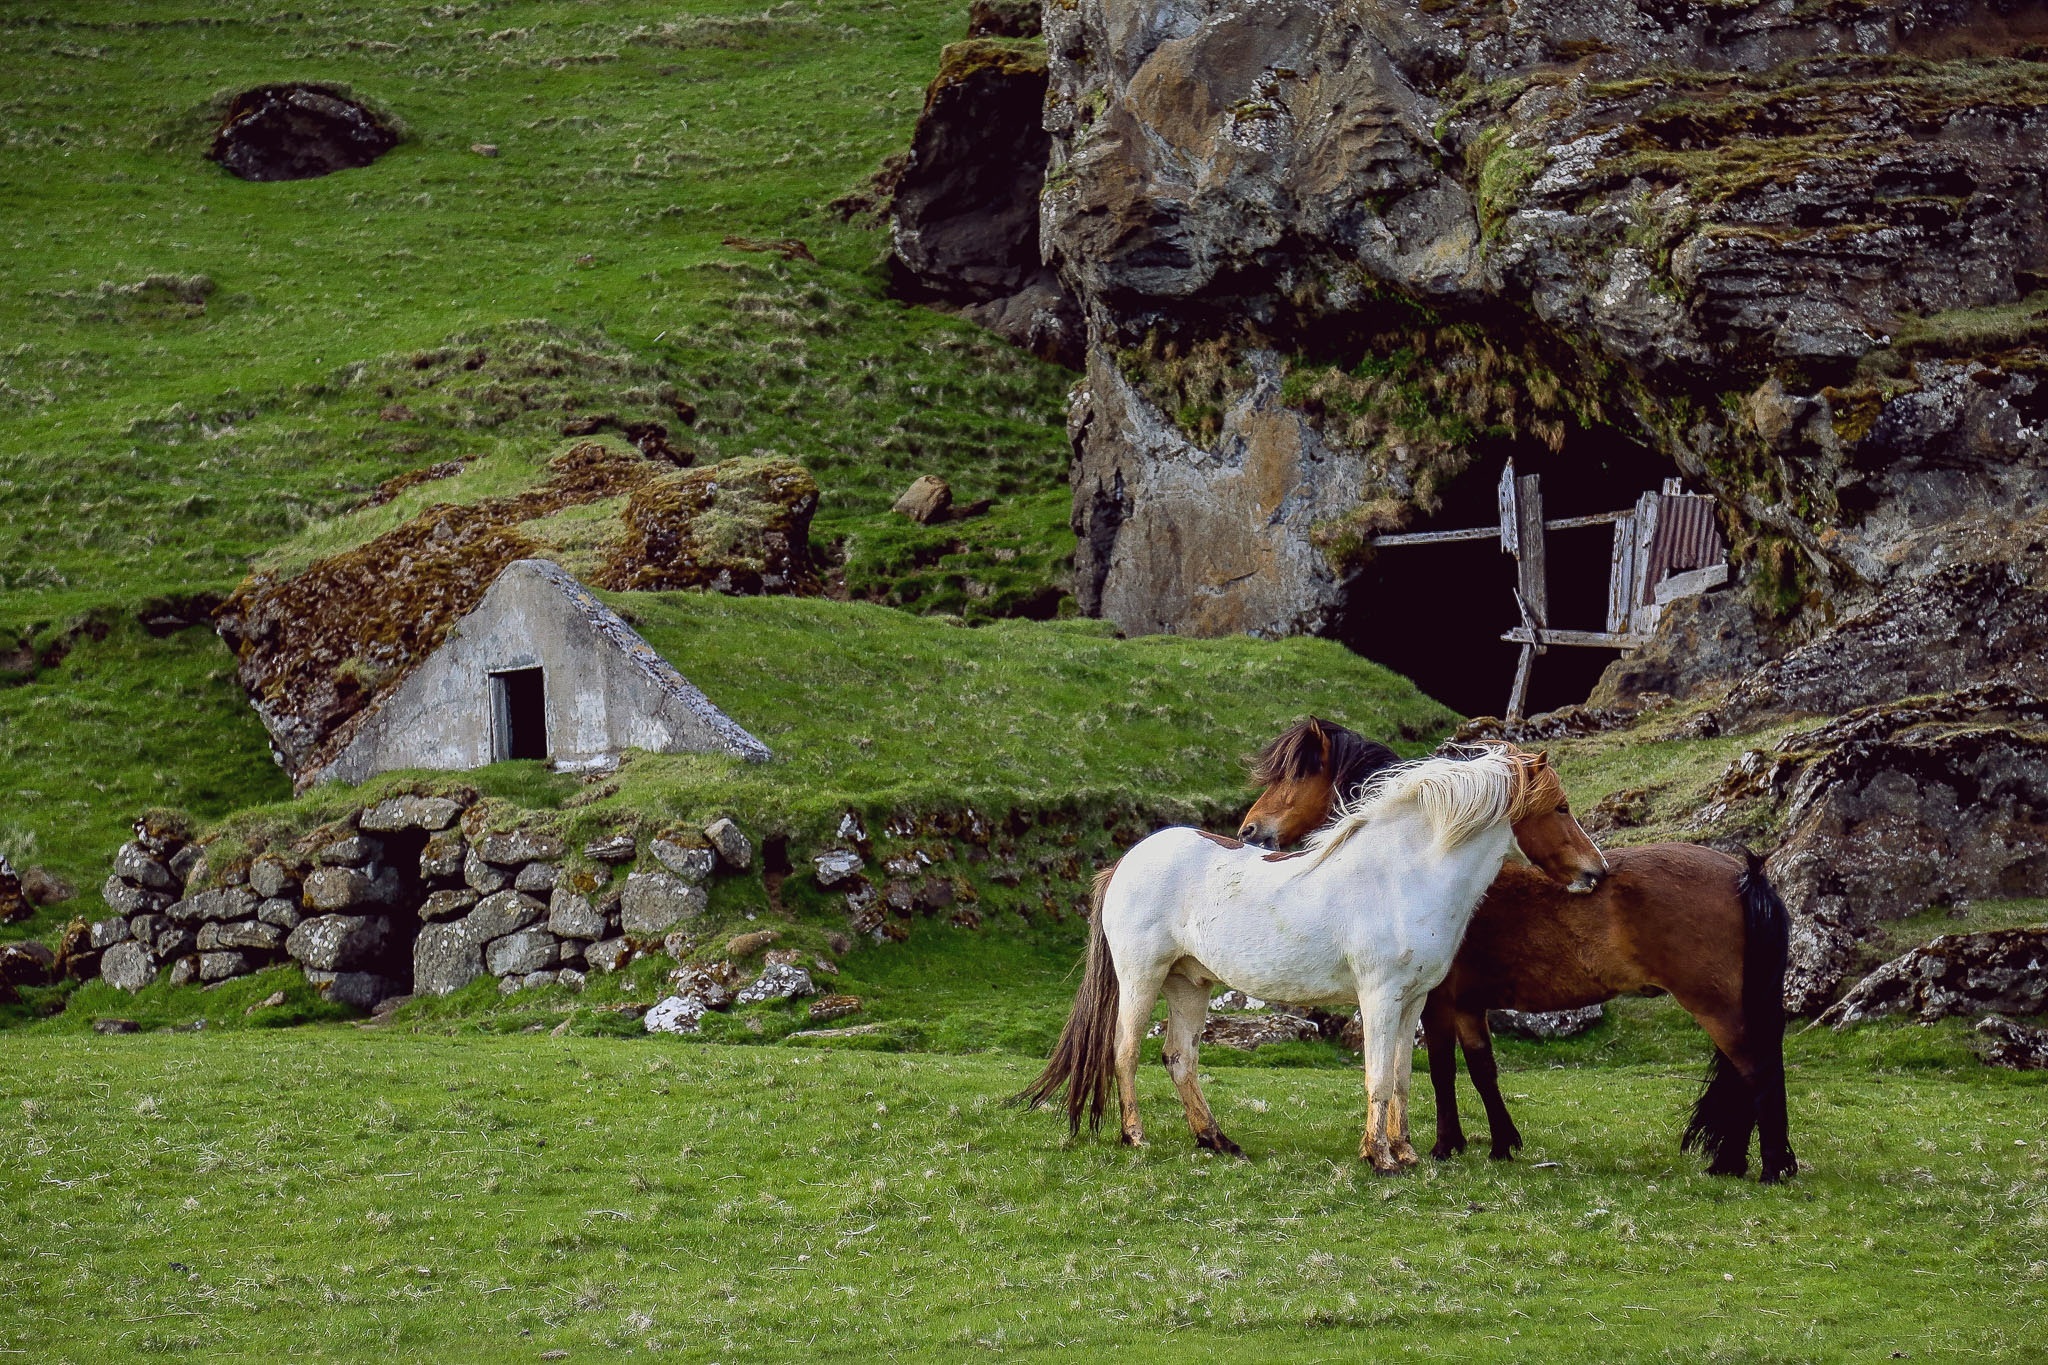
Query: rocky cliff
[(1331, 254)]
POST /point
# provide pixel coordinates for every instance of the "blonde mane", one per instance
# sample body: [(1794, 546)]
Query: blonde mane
[(1462, 794)]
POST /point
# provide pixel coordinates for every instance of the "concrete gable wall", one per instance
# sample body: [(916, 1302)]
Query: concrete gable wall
[(606, 688)]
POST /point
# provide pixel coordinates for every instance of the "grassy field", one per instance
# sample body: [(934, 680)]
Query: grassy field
[(335, 1194)]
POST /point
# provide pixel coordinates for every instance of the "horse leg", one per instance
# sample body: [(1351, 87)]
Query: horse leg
[(1187, 1006), (1404, 1073), (1135, 998), (1726, 1112), (1477, 1041), (1439, 1035), (1381, 1022)]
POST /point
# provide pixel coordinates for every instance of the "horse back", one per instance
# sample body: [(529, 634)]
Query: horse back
[(1667, 916)]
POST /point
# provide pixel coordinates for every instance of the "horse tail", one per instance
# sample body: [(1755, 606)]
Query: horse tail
[(1084, 1062), (1727, 1106)]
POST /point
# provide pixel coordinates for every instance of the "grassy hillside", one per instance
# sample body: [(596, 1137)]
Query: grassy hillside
[(149, 443)]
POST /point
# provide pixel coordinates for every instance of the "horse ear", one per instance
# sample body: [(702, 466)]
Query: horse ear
[(1542, 759)]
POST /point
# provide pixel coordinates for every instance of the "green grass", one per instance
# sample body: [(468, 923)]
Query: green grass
[(147, 445), (330, 1194)]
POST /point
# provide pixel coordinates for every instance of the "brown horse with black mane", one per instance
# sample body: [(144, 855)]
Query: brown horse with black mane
[(1702, 925)]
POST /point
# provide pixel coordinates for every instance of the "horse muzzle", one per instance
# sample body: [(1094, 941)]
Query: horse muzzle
[(1587, 881), (1258, 836)]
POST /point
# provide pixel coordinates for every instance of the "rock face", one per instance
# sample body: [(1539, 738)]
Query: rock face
[(2005, 971), (964, 221), (297, 132), (2018, 1046), (1323, 253)]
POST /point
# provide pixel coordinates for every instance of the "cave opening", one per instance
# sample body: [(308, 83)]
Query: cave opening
[(1435, 612)]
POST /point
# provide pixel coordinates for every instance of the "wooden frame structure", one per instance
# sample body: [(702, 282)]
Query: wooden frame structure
[(1634, 601)]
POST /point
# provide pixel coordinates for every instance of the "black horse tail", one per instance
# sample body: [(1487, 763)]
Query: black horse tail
[(1729, 1107), (1084, 1061)]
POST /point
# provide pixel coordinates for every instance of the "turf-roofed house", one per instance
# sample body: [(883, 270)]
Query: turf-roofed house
[(540, 669)]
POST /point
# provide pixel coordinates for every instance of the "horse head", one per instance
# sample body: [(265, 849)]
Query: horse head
[(1306, 773), (1545, 828)]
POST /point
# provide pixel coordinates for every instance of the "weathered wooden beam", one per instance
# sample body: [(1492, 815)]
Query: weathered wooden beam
[(1598, 639), (1492, 532), (1593, 519)]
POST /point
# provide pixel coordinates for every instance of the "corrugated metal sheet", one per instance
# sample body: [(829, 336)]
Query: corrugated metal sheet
[(1687, 537)]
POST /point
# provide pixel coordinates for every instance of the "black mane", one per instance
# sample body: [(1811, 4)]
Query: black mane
[(1299, 753)]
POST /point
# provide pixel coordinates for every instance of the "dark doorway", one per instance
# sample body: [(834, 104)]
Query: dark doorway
[(519, 711), (1436, 612)]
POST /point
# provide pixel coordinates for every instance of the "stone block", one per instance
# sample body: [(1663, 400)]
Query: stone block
[(837, 866), (547, 976), (283, 911), (520, 846), (537, 877), (478, 872), (571, 978), (443, 905), (654, 901), (227, 902), (144, 928), (126, 898), (338, 943), (272, 877), (529, 950), (445, 957), (503, 913), (132, 863), (676, 1014), (734, 849), (224, 966), (107, 932), (186, 861), (355, 850), (251, 935), (443, 857), (128, 966), (777, 983), (573, 916), (395, 813), (608, 955), (185, 970), (690, 862), (174, 940), (357, 990), (348, 888), (612, 848)]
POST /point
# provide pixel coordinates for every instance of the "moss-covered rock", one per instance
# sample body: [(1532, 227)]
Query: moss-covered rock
[(739, 527)]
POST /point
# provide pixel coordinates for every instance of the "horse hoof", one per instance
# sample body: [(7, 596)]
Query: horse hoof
[(1500, 1154), (1776, 1172), (1216, 1142), (1405, 1154), (1738, 1169), (1444, 1151), (1131, 1141)]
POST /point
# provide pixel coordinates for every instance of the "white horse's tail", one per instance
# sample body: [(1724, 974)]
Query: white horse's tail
[(1084, 1062)]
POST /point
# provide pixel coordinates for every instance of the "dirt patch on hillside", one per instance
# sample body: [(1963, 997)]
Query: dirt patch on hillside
[(298, 132)]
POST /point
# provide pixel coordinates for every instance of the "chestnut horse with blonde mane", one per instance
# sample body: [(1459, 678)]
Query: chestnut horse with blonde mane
[(1370, 914), (1703, 925)]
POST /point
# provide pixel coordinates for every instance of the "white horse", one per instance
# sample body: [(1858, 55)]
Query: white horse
[(1370, 912)]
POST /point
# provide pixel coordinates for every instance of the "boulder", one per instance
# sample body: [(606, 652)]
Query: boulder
[(272, 879), (512, 847), (224, 966), (537, 877), (357, 990), (446, 957), (1250, 1031), (679, 944), (782, 957), (612, 848), (172, 941), (2018, 1046), (444, 857), (26, 963), (608, 955), (516, 954), (747, 944), (503, 913), (354, 850), (396, 813), (927, 500), (43, 887), (1545, 1024), (777, 983), (251, 935), (742, 526), (443, 905), (546, 976), (185, 970), (116, 1026), (691, 862), (1003, 19), (128, 966), (674, 1014), (296, 131), (2003, 971), (14, 902), (573, 916), (733, 847), (829, 1007), (709, 982), (185, 862), (350, 888), (836, 867), (339, 943), (227, 902), (654, 901), (133, 863), (570, 978)]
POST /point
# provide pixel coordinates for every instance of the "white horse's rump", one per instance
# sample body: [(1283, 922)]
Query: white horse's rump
[(1372, 913)]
